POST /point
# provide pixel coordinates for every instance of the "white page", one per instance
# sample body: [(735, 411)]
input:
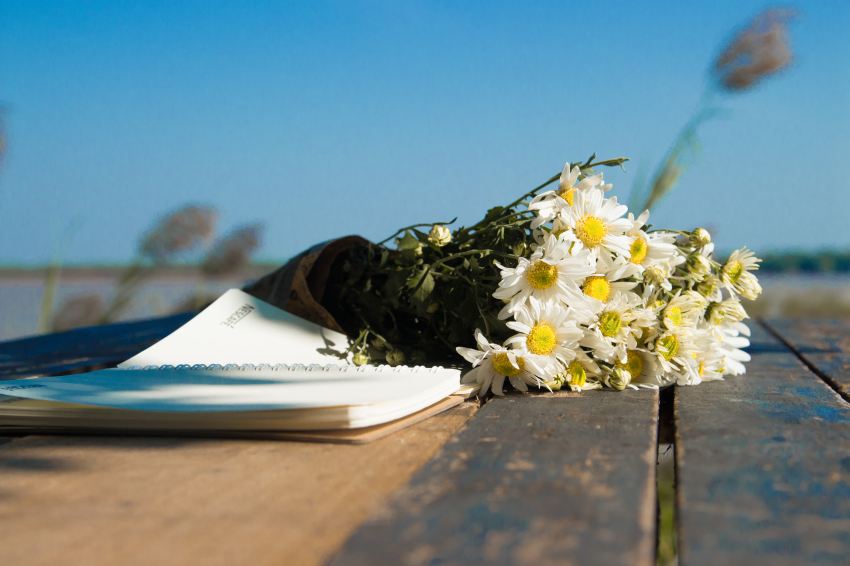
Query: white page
[(241, 329), (188, 390)]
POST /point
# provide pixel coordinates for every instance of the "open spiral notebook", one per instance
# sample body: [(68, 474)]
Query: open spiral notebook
[(239, 368)]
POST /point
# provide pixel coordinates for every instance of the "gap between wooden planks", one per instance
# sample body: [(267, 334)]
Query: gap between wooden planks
[(545, 479), (823, 345), (763, 464)]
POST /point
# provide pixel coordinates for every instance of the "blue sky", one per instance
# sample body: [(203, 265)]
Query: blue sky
[(327, 118)]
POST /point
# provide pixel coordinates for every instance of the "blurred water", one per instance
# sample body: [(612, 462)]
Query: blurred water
[(822, 295)]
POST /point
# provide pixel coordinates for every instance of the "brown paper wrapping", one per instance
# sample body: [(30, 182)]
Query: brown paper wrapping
[(299, 286)]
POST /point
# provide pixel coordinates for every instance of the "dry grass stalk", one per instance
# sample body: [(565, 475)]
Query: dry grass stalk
[(759, 50), (179, 232), (82, 310), (756, 52), (175, 234), (233, 252)]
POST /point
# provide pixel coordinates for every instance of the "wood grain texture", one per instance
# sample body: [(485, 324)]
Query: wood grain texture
[(564, 479), (83, 349), (823, 344), (763, 466), (171, 501)]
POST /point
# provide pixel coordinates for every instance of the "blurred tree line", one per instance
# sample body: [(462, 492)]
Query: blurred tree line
[(824, 261)]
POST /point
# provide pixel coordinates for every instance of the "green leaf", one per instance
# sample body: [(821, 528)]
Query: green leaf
[(407, 242), (422, 284)]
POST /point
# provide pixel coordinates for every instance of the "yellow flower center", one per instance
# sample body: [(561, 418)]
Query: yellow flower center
[(502, 364), (597, 287), (634, 363), (591, 230), (674, 315), (701, 369), (638, 250), (541, 275), (733, 270), (667, 346), (578, 376), (541, 340), (568, 194), (610, 323)]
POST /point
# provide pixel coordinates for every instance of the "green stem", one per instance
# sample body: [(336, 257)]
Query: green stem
[(589, 164), (444, 260), (412, 226)]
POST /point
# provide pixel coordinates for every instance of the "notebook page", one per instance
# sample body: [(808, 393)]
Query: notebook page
[(255, 389), (241, 329)]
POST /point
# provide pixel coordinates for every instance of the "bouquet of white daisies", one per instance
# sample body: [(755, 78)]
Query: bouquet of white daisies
[(562, 288)]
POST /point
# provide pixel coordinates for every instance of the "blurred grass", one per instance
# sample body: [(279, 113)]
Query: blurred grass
[(666, 485)]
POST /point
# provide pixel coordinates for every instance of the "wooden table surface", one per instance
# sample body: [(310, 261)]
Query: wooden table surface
[(762, 475)]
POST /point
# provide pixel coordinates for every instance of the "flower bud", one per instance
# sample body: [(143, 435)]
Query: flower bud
[(439, 235), (708, 287), (360, 359), (655, 274), (577, 375), (698, 266), (729, 310), (700, 237), (395, 357), (556, 383), (620, 378)]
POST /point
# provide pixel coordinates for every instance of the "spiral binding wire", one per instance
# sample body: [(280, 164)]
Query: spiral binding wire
[(326, 368)]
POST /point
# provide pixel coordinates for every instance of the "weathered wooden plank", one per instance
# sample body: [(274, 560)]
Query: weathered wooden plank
[(823, 344), (177, 501), (534, 480), (763, 466), (84, 348)]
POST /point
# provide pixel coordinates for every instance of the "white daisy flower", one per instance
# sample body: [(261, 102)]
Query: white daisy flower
[(684, 309), (731, 339), (727, 311), (611, 277), (548, 204), (491, 364), (709, 356), (736, 274), (658, 277), (550, 274), (597, 222), (643, 369), (651, 248), (583, 373), (547, 336), (610, 333), (673, 352), (710, 288)]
